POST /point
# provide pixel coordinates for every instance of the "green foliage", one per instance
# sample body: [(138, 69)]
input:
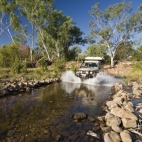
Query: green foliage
[(19, 66), (114, 26), (137, 54), (59, 65), (137, 66), (73, 53), (24, 66), (107, 59), (96, 50), (43, 64), (59, 34), (73, 67), (8, 53), (124, 51), (16, 66)]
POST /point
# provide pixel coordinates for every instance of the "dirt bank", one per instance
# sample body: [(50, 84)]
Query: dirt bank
[(121, 69)]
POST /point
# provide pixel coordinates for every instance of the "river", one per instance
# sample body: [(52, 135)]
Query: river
[(45, 114)]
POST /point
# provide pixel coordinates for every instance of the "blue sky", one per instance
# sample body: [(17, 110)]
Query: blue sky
[(78, 10)]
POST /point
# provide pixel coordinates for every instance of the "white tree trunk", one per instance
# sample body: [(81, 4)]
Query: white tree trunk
[(44, 44), (112, 61)]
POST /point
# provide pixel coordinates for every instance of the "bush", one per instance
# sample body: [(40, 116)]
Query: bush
[(24, 66), (137, 66), (59, 65), (16, 66), (43, 64), (73, 67)]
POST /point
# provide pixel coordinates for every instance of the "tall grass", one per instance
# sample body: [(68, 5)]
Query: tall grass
[(136, 73), (6, 73)]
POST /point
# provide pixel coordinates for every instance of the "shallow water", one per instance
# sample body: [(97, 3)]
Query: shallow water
[(45, 114)]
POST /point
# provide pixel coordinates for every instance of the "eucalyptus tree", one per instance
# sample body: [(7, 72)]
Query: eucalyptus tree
[(138, 54), (96, 50), (60, 33), (8, 19), (115, 25), (35, 11), (125, 51)]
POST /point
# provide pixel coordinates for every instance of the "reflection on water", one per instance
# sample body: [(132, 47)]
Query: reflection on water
[(87, 98), (44, 115)]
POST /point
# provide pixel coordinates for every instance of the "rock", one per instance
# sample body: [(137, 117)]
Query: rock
[(79, 116), (102, 124), (46, 131), (129, 123), (96, 124), (90, 118), (101, 118), (114, 120), (116, 128), (137, 92), (4, 92), (73, 137), (106, 129), (91, 133), (112, 137), (64, 133), (122, 113), (118, 86), (118, 100), (118, 94), (128, 106), (135, 85), (111, 104), (140, 111), (11, 133), (125, 136), (96, 128), (108, 115)]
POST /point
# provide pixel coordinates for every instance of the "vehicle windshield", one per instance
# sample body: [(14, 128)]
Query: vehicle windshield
[(89, 65)]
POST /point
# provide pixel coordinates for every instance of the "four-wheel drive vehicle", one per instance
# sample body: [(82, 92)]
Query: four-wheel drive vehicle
[(90, 67)]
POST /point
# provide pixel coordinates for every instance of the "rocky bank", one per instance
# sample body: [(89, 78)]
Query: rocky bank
[(15, 86), (123, 121)]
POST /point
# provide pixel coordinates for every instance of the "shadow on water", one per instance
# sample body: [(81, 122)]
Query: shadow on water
[(45, 114)]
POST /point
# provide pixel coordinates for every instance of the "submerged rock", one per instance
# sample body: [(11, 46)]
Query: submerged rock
[(79, 116), (91, 133)]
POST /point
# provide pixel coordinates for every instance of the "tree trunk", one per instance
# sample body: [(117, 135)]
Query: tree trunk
[(112, 61), (44, 45), (33, 33)]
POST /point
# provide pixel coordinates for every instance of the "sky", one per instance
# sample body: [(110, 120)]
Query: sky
[(78, 10)]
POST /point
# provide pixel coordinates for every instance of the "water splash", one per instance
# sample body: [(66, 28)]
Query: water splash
[(70, 77), (101, 78)]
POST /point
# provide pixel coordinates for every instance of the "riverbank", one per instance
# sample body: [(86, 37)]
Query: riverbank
[(16, 86), (123, 118)]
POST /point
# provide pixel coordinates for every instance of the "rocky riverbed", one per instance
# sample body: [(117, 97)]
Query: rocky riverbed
[(15, 86), (123, 120)]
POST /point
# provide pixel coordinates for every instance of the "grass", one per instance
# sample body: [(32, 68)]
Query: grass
[(135, 75), (6, 73)]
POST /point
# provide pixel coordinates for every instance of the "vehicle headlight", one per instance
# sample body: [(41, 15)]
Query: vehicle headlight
[(90, 72)]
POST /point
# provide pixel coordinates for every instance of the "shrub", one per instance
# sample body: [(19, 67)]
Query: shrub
[(73, 67), (16, 66), (59, 65), (24, 66), (43, 64)]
